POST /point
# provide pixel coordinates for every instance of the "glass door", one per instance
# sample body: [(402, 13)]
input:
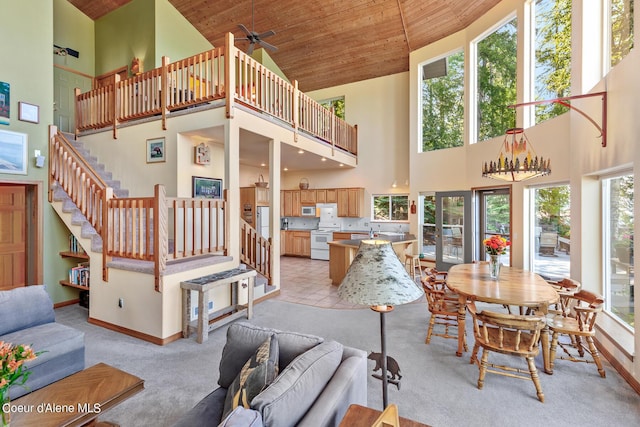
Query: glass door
[(495, 219), (453, 229)]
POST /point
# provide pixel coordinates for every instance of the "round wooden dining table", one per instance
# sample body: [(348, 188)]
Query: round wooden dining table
[(514, 287)]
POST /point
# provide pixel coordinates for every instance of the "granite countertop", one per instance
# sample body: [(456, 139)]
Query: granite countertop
[(406, 238)]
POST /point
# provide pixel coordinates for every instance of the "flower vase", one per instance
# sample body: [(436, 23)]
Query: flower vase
[(494, 266)]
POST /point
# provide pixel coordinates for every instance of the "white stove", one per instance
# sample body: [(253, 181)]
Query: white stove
[(320, 239)]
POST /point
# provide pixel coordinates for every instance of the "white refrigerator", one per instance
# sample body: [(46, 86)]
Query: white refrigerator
[(262, 221)]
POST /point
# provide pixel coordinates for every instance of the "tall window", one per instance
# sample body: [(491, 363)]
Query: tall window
[(390, 207), (443, 103), (552, 55), (496, 81), (621, 15), (429, 226), (551, 233), (618, 247)]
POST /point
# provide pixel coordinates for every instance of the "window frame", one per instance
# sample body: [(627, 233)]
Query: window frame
[(390, 196)]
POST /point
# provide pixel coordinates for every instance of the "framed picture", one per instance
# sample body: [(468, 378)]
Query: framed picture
[(155, 150), (28, 112), (13, 152), (208, 188)]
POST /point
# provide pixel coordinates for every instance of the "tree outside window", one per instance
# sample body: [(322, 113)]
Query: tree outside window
[(496, 81), (334, 104), (552, 55), (621, 29), (388, 207), (443, 103)]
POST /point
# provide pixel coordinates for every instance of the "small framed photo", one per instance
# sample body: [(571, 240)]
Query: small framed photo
[(13, 152), (28, 112), (155, 150), (208, 188)]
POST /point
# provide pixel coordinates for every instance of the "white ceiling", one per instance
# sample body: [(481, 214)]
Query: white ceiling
[(254, 151)]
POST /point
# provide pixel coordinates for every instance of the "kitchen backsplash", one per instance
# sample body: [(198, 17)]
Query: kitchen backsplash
[(348, 224)]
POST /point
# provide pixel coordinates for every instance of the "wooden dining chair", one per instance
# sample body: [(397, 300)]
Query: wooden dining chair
[(443, 305), (566, 288), (510, 334), (578, 323)]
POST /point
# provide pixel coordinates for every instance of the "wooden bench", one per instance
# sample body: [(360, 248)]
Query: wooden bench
[(203, 285)]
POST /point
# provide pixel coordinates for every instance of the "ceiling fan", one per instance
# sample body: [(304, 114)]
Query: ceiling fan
[(256, 38)]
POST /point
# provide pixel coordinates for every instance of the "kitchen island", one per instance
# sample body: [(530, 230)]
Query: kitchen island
[(342, 252)]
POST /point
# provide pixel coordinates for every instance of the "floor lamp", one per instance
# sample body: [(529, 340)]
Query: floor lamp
[(378, 279)]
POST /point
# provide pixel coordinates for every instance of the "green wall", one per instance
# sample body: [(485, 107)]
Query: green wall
[(124, 34), (27, 49), (74, 29), (175, 36)]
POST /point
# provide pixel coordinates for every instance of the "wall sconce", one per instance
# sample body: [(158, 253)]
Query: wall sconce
[(39, 159), (136, 66), (394, 184)]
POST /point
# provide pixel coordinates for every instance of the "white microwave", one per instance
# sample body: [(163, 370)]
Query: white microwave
[(308, 211)]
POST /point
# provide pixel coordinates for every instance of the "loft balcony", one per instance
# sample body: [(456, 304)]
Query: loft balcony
[(205, 79)]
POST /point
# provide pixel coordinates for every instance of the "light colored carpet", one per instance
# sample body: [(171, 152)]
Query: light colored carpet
[(437, 388)]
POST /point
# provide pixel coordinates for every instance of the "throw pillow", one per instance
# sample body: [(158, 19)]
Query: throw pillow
[(243, 338), (290, 396), (256, 374)]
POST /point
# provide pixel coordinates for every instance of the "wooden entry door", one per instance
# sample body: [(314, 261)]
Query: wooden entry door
[(13, 236)]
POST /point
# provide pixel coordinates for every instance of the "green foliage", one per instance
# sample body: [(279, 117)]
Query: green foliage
[(497, 57), (443, 107), (390, 208), (552, 209), (337, 104), (621, 29), (429, 212), (552, 55), (498, 212)]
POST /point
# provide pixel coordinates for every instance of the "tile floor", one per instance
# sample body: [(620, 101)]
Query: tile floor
[(306, 281)]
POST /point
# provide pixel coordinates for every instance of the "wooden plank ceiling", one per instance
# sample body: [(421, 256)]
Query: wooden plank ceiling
[(328, 43)]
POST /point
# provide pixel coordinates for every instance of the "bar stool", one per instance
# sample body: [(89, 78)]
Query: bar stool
[(411, 262)]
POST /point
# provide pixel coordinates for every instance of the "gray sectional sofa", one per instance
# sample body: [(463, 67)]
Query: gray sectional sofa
[(316, 383), (27, 317)]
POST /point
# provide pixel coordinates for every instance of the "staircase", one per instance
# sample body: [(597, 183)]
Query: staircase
[(88, 231)]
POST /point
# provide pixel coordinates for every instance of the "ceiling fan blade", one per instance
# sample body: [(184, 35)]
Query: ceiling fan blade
[(267, 34), (267, 45), (250, 50), (243, 28)]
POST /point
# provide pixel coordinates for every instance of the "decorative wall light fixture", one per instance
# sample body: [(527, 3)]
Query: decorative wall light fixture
[(517, 161)]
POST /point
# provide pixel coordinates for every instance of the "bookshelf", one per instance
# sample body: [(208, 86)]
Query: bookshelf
[(78, 274)]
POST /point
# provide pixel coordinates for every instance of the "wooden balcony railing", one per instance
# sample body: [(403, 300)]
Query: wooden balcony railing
[(157, 229), (255, 250), (208, 77)]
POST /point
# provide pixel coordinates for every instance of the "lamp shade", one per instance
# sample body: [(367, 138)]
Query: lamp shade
[(376, 277)]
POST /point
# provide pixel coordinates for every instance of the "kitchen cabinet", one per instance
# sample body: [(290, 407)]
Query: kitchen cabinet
[(321, 196), (332, 195), (297, 243), (350, 202), (290, 202), (307, 197), (283, 242)]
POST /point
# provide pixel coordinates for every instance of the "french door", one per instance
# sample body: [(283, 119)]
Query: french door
[(453, 236)]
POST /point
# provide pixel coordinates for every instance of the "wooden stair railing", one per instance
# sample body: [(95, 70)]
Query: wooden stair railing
[(81, 182), (255, 250), (142, 228), (223, 73), (137, 228)]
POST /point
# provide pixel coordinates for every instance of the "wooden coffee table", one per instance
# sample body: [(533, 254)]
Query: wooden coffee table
[(76, 400), (361, 416)]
